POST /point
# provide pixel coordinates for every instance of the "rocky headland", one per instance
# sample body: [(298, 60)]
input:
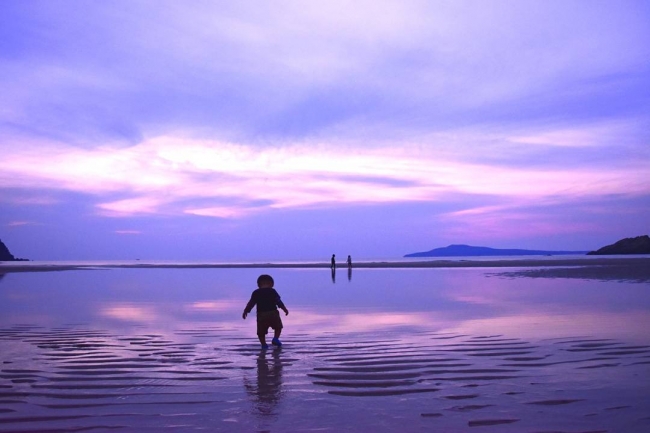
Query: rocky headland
[(637, 245), (6, 256)]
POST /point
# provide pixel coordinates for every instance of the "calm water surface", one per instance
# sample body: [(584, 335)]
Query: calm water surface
[(377, 349)]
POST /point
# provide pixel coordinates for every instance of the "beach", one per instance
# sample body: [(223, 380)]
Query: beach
[(474, 346), (450, 197), (638, 266)]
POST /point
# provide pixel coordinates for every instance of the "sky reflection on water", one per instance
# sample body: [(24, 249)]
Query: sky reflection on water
[(458, 300), (387, 350)]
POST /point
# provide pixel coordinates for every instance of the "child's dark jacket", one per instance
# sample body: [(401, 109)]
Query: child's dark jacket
[(267, 299)]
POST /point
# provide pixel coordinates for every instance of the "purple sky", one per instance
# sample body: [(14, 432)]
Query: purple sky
[(207, 130)]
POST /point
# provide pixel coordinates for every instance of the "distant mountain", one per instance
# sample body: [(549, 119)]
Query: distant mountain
[(468, 250), (637, 245), (6, 256)]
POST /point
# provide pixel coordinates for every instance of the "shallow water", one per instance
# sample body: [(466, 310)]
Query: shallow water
[(379, 350)]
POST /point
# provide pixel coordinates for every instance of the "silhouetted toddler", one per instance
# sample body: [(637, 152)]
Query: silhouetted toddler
[(268, 301)]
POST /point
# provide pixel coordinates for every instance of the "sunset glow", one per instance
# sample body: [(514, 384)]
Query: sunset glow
[(527, 129)]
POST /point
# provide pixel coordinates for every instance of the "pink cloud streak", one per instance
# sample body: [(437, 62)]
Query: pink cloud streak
[(158, 174)]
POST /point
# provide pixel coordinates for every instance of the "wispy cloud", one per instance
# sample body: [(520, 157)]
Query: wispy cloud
[(163, 175), (21, 223), (130, 206), (230, 110)]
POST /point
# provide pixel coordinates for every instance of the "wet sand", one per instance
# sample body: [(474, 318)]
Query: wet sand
[(7, 267), (606, 268), (77, 378), (173, 372), (636, 272)]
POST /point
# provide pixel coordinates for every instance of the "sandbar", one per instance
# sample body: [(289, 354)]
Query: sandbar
[(602, 268)]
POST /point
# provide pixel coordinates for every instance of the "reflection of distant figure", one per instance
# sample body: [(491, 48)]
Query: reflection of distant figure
[(349, 261), (350, 273), (334, 275), (267, 390), (268, 301), (333, 265)]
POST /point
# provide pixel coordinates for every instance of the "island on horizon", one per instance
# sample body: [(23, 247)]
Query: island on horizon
[(456, 250)]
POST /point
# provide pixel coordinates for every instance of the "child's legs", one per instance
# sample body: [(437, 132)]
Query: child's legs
[(277, 326), (266, 321), (262, 330)]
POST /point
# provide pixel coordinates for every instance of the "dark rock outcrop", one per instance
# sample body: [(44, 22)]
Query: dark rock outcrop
[(470, 251), (5, 255), (637, 245)]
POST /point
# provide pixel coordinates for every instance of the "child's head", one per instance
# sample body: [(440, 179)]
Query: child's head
[(265, 281)]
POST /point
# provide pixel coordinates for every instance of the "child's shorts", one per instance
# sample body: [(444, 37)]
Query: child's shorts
[(268, 319)]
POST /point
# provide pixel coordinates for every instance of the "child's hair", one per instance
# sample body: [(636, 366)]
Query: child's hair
[(265, 279)]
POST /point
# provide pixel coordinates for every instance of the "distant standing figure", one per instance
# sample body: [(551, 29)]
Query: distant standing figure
[(349, 261), (333, 265), (268, 301)]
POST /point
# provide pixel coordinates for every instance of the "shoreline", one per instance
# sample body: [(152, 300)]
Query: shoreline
[(636, 262)]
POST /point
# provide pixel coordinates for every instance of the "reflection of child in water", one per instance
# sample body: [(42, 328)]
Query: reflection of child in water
[(267, 390), (268, 301)]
